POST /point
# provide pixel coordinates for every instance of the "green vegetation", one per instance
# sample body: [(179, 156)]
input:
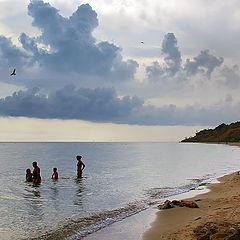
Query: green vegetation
[(222, 133)]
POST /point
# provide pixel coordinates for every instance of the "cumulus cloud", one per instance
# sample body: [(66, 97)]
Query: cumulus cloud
[(189, 115), (11, 55), (67, 52), (204, 63), (173, 70), (65, 45), (154, 71), (172, 60), (172, 54), (71, 44), (230, 76), (103, 105)]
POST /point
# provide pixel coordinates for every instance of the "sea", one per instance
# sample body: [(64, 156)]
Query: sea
[(120, 180)]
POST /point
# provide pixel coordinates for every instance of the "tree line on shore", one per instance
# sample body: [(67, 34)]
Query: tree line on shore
[(222, 133)]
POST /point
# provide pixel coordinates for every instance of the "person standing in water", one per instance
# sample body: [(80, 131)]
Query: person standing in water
[(36, 173), (80, 166), (55, 174), (29, 175)]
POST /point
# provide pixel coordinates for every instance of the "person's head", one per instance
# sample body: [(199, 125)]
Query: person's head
[(34, 164), (28, 170), (54, 169), (79, 157)]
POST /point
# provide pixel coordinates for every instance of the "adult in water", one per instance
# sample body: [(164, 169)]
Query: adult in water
[(55, 174), (36, 173), (80, 166)]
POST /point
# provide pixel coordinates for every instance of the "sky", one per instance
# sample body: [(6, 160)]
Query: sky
[(117, 70)]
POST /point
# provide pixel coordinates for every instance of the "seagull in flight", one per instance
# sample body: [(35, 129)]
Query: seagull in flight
[(13, 73), (142, 42)]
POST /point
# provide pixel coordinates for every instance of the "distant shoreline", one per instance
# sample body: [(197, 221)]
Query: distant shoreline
[(227, 143), (224, 133)]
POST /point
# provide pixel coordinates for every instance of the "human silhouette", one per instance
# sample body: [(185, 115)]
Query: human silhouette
[(55, 174), (36, 173), (80, 166)]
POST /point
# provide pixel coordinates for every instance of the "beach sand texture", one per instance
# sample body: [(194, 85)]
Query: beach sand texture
[(218, 215)]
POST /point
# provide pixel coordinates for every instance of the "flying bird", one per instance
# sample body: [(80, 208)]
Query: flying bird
[(13, 73), (142, 42)]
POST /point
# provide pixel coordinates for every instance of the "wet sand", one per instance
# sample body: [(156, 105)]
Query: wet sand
[(129, 228), (218, 215)]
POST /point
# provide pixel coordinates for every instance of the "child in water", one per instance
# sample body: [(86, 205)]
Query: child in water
[(80, 166), (55, 174), (29, 175)]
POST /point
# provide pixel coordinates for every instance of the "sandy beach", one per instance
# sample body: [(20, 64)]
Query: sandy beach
[(218, 215)]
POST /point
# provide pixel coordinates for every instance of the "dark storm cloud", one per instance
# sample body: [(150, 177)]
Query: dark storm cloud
[(204, 63), (99, 105), (66, 45), (103, 105)]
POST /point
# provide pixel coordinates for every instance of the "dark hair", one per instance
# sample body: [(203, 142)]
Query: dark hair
[(55, 169), (78, 157), (34, 163), (28, 170)]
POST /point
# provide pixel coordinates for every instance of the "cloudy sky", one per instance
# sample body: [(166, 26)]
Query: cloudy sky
[(117, 70)]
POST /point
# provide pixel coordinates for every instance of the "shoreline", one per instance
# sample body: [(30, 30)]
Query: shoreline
[(140, 225), (217, 214), (134, 227)]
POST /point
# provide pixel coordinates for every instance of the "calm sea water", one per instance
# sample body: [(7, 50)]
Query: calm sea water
[(120, 179)]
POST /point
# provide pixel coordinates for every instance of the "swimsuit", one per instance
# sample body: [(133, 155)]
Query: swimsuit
[(29, 178), (36, 175), (79, 170)]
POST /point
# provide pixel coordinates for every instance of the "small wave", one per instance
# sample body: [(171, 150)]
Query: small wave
[(153, 196), (157, 195), (195, 179), (79, 227)]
